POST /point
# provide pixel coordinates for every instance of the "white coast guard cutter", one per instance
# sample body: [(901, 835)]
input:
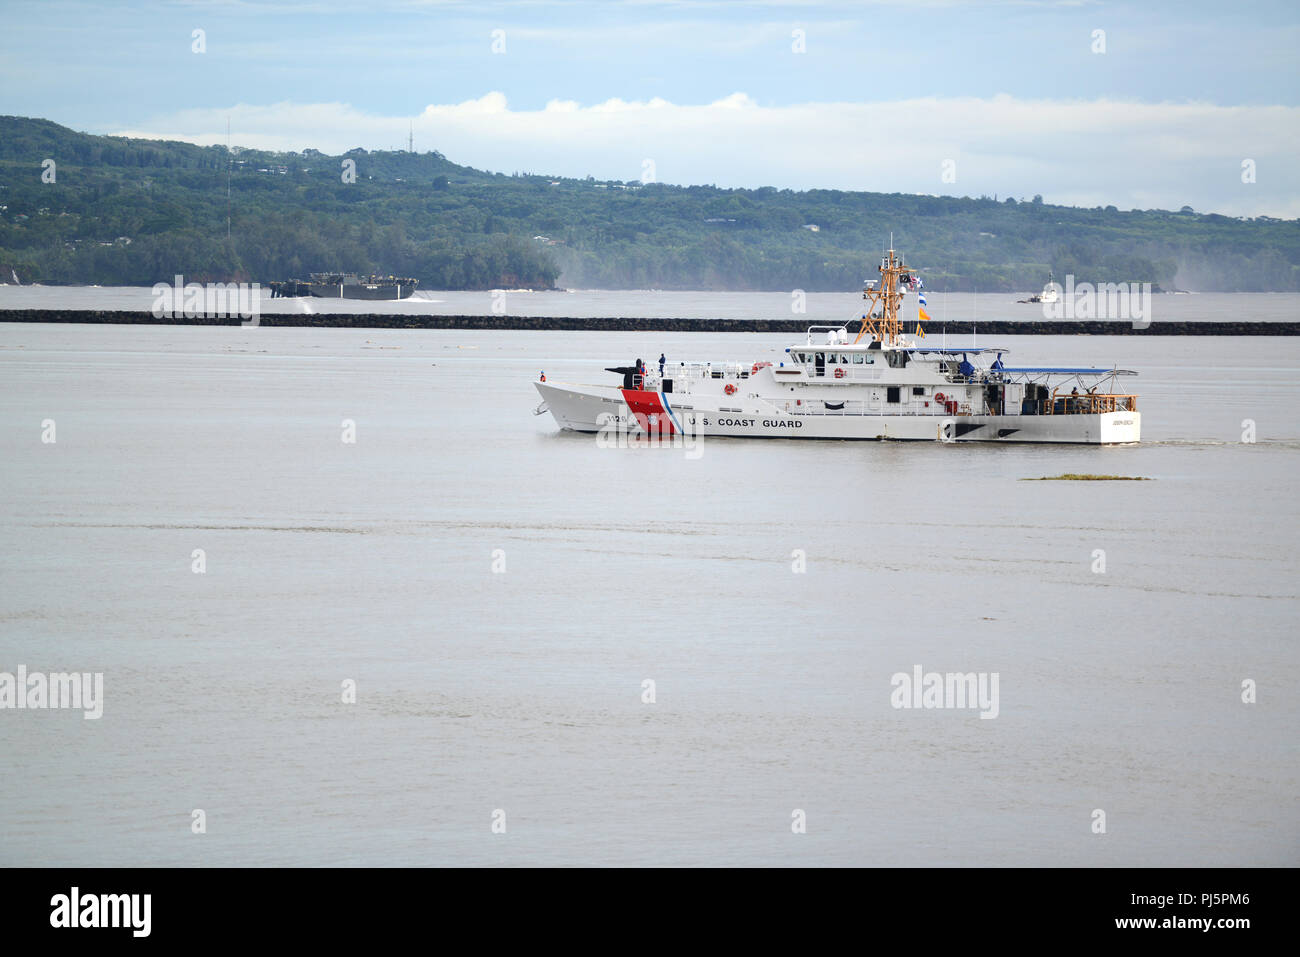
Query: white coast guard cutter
[(883, 385)]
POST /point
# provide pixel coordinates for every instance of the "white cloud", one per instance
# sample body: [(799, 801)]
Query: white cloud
[(1093, 152)]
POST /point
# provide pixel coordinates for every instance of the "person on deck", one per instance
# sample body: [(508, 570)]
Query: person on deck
[(662, 360)]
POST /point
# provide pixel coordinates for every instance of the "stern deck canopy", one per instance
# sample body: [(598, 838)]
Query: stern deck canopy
[(1061, 370)]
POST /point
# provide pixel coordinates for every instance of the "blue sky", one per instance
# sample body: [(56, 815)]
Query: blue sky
[(1008, 97)]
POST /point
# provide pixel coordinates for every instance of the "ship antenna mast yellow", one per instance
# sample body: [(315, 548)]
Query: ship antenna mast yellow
[(881, 319)]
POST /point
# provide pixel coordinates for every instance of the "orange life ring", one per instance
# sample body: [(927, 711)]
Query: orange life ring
[(730, 388), (939, 397), (839, 373)]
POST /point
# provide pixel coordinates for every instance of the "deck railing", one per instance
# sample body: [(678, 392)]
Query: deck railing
[(1091, 403)]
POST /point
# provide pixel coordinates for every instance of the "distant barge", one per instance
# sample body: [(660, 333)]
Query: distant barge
[(345, 285)]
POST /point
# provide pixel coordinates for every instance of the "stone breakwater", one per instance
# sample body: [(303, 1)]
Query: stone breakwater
[(993, 327)]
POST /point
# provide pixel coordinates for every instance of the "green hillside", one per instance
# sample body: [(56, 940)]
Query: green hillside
[(125, 211)]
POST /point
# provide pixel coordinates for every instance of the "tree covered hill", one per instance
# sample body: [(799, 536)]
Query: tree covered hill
[(130, 211)]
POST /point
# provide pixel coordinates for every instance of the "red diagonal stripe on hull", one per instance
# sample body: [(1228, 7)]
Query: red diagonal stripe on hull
[(649, 412)]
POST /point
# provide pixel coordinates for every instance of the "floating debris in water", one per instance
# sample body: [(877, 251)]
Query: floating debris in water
[(1083, 477)]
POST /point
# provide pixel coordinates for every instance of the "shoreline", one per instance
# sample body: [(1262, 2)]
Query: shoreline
[(1004, 327)]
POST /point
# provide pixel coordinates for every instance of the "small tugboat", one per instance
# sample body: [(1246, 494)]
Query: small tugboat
[(1051, 292), (882, 385), (345, 285)]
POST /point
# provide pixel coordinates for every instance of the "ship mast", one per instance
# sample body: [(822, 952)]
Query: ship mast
[(881, 319)]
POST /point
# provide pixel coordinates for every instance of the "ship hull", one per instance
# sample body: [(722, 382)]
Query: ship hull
[(606, 409), (359, 291)]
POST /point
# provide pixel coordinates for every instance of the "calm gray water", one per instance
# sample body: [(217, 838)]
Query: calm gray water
[(522, 690), (820, 307)]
